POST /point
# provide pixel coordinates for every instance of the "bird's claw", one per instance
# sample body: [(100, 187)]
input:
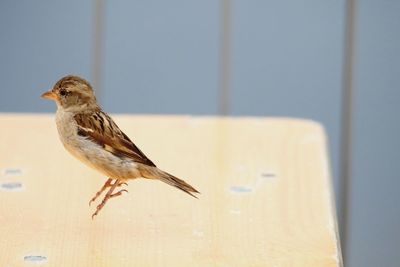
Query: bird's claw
[(107, 197), (119, 193)]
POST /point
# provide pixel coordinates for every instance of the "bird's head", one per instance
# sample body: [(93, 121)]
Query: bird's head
[(73, 93)]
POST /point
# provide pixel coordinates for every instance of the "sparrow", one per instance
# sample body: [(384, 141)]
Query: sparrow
[(90, 135)]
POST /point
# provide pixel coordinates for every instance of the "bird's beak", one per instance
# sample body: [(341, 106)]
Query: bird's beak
[(49, 95)]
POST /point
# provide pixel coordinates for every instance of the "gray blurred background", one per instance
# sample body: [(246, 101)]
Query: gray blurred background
[(335, 62)]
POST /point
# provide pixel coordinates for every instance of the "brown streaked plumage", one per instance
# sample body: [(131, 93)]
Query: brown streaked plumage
[(101, 129), (93, 137)]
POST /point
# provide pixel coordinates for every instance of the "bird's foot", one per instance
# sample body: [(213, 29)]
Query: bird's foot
[(119, 193), (109, 195), (105, 186)]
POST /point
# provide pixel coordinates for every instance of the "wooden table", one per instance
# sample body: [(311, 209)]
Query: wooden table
[(266, 196)]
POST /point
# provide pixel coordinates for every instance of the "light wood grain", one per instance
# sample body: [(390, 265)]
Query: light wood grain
[(265, 198)]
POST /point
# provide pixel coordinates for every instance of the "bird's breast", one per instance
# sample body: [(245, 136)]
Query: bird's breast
[(67, 127)]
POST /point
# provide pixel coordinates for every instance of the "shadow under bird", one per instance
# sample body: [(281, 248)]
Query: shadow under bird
[(90, 135)]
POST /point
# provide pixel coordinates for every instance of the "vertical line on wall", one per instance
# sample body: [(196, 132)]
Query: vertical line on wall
[(347, 125), (225, 58), (98, 43)]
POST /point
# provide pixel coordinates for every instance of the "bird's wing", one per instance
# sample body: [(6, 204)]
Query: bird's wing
[(101, 129)]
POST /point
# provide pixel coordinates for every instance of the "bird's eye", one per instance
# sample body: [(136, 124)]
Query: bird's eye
[(63, 92)]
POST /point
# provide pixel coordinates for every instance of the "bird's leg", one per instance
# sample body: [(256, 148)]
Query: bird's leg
[(108, 196), (107, 184)]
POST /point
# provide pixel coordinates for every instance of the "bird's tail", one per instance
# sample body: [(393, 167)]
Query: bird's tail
[(156, 173)]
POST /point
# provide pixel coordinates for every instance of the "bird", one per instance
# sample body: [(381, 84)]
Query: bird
[(92, 136)]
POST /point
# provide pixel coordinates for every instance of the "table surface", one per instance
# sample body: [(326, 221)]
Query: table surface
[(266, 197)]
